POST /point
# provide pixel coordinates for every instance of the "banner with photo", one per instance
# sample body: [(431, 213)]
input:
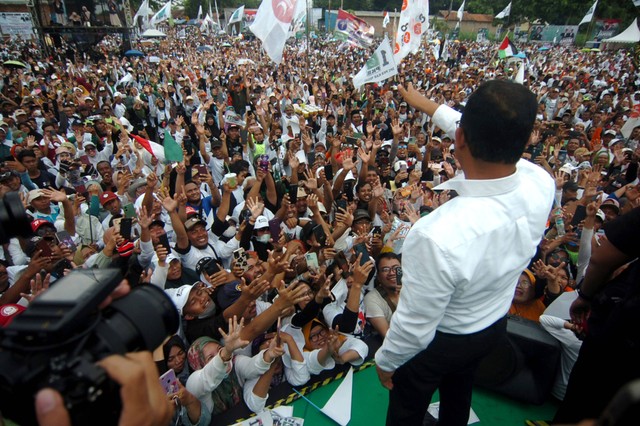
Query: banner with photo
[(352, 29), (520, 35), (16, 24), (605, 28), (483, 35), (563, 34)]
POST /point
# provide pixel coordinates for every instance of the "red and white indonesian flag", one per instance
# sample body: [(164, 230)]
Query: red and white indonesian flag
[(414, 21), (632, 122), (271, 26), (152, 148)]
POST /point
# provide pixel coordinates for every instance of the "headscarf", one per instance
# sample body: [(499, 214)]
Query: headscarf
[(166, 349), (306, 331), (229, 392), (601, 152)]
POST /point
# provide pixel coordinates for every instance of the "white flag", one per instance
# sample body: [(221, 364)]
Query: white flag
[(505, 12), (379, 67), (128, 78), (236, 16), (589, 16), (445, 51), (143, 13), (435, 49), (199, 12), (520, 75), (385, 19), (207, 24), (162, 15), (461, 11), (414, 21), (271, 26)]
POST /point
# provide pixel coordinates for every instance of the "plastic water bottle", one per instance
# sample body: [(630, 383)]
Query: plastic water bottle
[(559, 223)]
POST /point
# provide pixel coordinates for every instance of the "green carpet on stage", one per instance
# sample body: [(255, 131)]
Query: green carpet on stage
[(370, 399)]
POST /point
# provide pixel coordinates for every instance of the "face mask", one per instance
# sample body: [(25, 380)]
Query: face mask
[(230, 232), (264, 238), (211, 310)]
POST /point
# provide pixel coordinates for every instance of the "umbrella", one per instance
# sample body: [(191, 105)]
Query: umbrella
[(14, 64), (543, 49), (225, 45), (595, 50), (204, 49), (521, 55), (244, 61), (133, 52)]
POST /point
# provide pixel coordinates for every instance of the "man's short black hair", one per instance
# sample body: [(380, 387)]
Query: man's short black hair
[(104, 162), (570, 186), (239, 166), (387, 255), (26, 153), (498, 120)]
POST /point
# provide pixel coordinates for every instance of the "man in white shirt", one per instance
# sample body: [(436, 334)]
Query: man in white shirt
[(461, 263)]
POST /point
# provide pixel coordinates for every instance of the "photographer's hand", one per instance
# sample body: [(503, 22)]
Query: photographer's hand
[(143, 399)]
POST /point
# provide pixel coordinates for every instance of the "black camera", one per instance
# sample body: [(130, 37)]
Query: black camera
[(13, 218), (59, 338)]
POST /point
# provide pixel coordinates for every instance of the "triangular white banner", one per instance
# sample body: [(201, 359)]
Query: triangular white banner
[(338, 408)]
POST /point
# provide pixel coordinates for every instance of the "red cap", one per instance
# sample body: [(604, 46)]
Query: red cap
[(190, 210), (36, 224), (106, 197), (9, 312)]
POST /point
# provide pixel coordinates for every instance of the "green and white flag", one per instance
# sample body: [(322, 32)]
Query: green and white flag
[(237, 15), (172, 151), (162, 15), (380, 66)]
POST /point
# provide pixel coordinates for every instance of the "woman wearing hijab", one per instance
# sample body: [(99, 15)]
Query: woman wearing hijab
[(175, 354), (219, 375)]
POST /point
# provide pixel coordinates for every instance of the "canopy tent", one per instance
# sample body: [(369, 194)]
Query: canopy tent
[(630, 35), (153, 33)]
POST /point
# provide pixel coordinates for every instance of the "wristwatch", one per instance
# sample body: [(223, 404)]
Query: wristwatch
[(584, 296)]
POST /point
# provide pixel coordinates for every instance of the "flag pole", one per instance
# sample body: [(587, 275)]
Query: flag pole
[(217, 14), (395, 16), (495, 51), (308, 21), (589, 29)]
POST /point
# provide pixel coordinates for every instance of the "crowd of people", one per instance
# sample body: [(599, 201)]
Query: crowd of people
[(279, 235)]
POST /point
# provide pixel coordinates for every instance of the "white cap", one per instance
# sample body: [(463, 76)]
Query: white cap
[(567, 168), (399, 164), (179, 296), (261, 223), (118, 95), (33, 194)]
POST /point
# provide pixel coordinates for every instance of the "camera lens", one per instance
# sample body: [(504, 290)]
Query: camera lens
[(13, 218), (133, 322)]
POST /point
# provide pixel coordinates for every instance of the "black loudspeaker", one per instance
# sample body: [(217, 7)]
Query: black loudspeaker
[(522, 367)]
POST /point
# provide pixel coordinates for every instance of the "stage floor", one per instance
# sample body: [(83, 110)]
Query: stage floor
[(370, 399)]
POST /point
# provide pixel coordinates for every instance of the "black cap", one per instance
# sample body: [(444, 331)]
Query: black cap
[(157, 222)]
